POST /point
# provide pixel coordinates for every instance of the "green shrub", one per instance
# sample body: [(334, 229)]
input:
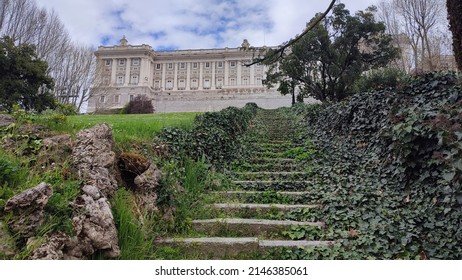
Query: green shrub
[(66, 109), (141, 104), (386, 78), (214, 135)]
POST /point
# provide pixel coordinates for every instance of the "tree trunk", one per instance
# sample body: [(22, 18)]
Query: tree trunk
[(455, 22)]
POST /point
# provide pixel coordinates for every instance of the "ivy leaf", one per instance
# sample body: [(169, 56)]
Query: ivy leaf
[(458, 135), (448, 176), (458, 164)]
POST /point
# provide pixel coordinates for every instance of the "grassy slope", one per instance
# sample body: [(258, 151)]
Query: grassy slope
[(129, 128), (22, 172)]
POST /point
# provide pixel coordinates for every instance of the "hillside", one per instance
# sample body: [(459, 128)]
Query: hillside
[(374, 177)]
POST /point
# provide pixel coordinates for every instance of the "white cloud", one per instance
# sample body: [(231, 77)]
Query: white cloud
[(188, 24)]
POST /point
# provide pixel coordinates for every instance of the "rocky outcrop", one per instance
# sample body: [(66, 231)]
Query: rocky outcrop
[(94, 158), (94, 228), (53, 249), (93, 222), (27, 208), (94, 225)]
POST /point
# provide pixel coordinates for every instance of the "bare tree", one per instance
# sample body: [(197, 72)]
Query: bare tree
[(419, 21), (402, 39), (74, 78), (71, 65)]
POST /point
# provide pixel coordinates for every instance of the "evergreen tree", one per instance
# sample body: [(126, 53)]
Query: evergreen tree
[(23, 78), (326, 62)]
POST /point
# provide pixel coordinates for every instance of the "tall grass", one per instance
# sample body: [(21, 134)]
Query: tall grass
[(133, 242)]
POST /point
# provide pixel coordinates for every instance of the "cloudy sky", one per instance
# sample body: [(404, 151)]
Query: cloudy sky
[(189, 24)]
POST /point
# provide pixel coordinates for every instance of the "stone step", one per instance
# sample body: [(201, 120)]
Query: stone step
[(248, 210), (269, 160), (275, 147), (265, 175), (269, 167), (247, 227), (225, 247), (274, 185), (252, 196), (233, 193)]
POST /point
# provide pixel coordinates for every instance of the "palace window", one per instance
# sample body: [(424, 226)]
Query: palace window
[(132, 97), (102, 99), (220, 64), (182, 65), (107, 62), (120, 80), (134, 79), (194, 84), (232, 81), (116, 98), (195, 65), (122, 62), (169, 84), (105, 80), (259, 81), (158, 66), (206, 83), (232, 64), (135, 61), (219, 83), (207, 65), (170, 66), (245, 81), (181, 84), (157, 84)]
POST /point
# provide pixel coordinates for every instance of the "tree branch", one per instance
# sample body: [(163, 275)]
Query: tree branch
[(280, 51)]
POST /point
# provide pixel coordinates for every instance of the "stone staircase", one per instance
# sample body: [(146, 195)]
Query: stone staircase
[(251, 219)]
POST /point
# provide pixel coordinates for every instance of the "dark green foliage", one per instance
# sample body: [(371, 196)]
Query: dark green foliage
[(23, 78), (141, 104), (392, 177), (380, 79), (215, 135), (327, 61), (66, 109)]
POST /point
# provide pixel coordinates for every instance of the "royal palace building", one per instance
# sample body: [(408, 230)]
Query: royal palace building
[(180, 80)]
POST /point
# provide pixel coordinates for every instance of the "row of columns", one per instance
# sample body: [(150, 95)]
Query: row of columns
[(201, 75)]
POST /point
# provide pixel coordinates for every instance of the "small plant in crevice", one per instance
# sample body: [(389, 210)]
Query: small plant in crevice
[(180, 194)]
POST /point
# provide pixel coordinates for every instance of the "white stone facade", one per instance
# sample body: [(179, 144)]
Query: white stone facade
[(180, 81)]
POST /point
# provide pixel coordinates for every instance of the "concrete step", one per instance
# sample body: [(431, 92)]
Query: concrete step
[(233, 193), (288, 185), (269, 167), (247, 227), (226, 248), (265, 175), (268, 160), (250, 209)]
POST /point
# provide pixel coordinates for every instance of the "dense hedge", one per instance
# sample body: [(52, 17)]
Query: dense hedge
[(214, 135), (393, 169)]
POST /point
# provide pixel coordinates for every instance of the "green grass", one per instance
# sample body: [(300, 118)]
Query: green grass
[(127, 128)]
